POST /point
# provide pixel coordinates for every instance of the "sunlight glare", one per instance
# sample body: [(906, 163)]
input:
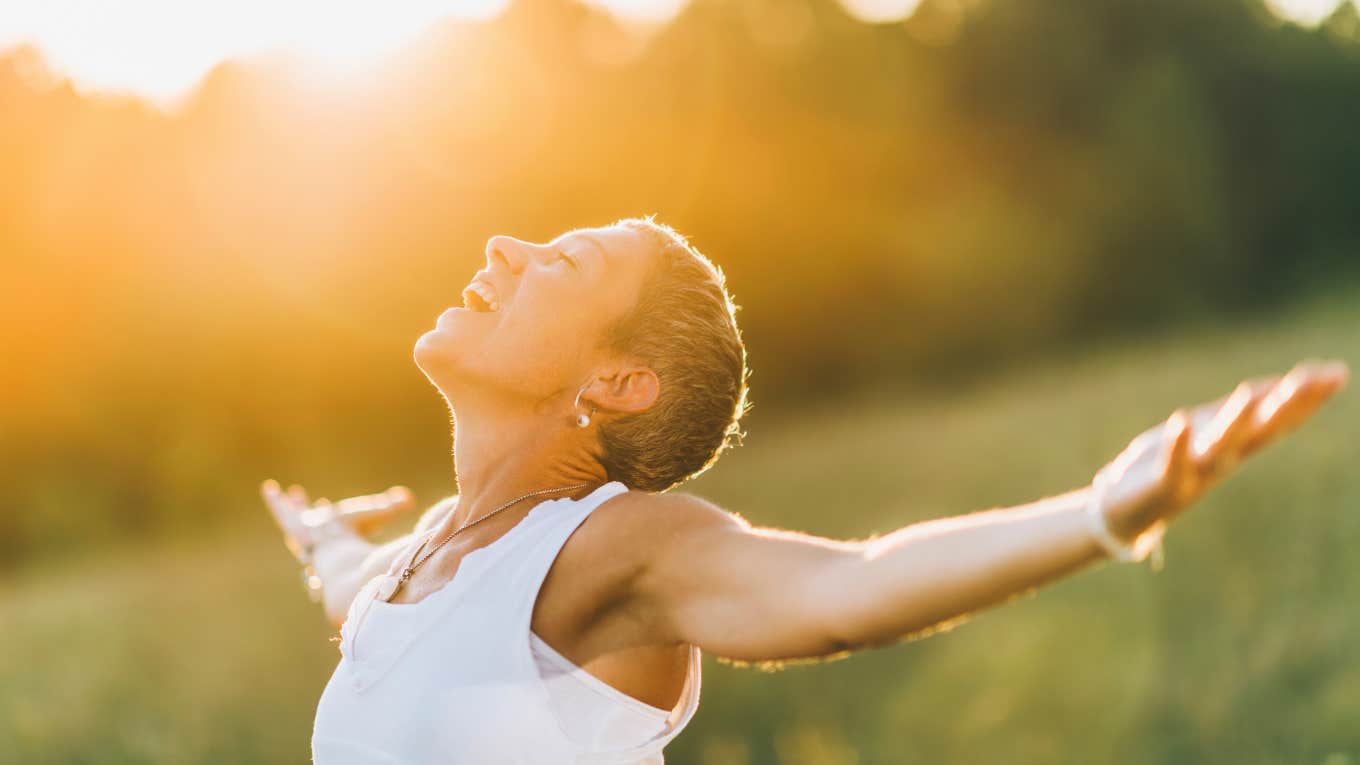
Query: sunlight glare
[(1308, 13), (880, 11), (641, 11), (160, 49)]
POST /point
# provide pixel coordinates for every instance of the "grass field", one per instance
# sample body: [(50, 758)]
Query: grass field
[(1244, 649)]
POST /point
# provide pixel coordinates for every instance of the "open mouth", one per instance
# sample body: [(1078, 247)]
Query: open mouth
[(481, 297)]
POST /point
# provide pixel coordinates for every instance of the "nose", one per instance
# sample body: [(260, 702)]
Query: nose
[(508, 251)]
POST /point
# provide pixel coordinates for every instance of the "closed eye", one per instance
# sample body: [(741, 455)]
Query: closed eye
[(569, 259)]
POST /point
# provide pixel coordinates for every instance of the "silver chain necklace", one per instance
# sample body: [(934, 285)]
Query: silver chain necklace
[(411, 567)]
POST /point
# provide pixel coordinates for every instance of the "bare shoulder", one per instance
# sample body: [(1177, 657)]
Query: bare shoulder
[(642, 541), (642, 526), (628, 546), (627, 536)]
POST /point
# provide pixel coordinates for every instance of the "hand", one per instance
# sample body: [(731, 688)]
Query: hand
[(302, 521), (1165, 469)]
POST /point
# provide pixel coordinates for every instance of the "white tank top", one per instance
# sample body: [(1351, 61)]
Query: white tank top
[(594, 713), (459, 677)]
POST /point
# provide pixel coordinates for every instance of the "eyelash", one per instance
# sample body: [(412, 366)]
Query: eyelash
[(570, 260)]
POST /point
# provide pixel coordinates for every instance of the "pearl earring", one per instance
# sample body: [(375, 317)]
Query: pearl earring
[(582, 419)]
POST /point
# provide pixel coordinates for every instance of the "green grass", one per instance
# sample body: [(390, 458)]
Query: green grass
[(1244, 649)]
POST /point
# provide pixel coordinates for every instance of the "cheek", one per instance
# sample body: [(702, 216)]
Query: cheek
[(557, 320), (537, 349), (548, 346)]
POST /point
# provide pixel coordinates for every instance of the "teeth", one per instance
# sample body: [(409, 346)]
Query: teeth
[(487, 294)]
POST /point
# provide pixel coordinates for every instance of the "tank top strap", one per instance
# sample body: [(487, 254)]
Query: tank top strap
[(540, 550)]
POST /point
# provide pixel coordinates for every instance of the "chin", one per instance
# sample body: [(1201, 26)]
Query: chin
[(436, 354)]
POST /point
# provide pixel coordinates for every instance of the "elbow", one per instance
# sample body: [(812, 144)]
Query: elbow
[(874, 607), (839, 599), (837, 645), (857, 612)]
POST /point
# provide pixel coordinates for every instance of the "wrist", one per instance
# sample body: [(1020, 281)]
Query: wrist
[(324, 528), (1119, 544), (325, 531)]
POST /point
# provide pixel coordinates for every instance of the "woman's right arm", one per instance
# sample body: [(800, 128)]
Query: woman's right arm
[(346, 563), (343, 558)]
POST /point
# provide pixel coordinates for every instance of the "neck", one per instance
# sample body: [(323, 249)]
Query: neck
[(499, 455)]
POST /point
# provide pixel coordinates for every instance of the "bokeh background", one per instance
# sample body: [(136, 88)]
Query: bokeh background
[(978, 245)]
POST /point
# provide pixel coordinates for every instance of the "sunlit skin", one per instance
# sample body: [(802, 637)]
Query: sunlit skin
[(647, 575)]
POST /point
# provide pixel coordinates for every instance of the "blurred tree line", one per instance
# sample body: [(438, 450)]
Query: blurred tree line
[(195, 300)]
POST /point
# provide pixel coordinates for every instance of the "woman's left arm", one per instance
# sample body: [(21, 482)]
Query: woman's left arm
[(759, 594)]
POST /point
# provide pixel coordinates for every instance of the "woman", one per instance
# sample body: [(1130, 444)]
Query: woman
[(554, 610)]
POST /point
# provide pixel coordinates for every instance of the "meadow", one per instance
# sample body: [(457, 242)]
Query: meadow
[(1245, 648)]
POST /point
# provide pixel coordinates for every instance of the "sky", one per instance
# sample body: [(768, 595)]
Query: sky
[(160, 49)]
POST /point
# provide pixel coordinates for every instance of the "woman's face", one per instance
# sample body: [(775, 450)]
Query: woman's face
[(530, 323)]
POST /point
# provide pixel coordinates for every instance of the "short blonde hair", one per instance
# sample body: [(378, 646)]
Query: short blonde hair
[(684, 326)]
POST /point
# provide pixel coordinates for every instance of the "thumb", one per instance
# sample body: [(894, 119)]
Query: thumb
[(367, 513), (1179, 463), (401, 498)]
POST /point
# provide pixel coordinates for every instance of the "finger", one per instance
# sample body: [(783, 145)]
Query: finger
[(270, 493), (1302, 404), (1293, 400), (390, 502), (1330, 376), (1178, 459), (369, 520), (279, 506), (273, 496), (1202, 417), (298, 494), (1308, 380), (1206, 420), (401, 498), (1237, 429), (1261, 385), (1343, 372), (1218, 441), (361, 503)]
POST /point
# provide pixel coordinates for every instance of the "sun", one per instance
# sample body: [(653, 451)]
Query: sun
[(160, 49)]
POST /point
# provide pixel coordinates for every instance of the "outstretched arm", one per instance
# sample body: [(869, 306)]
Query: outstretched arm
[(343, 558), (708, 577)]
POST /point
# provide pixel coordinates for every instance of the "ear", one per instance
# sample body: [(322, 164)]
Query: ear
[(627, 390)]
